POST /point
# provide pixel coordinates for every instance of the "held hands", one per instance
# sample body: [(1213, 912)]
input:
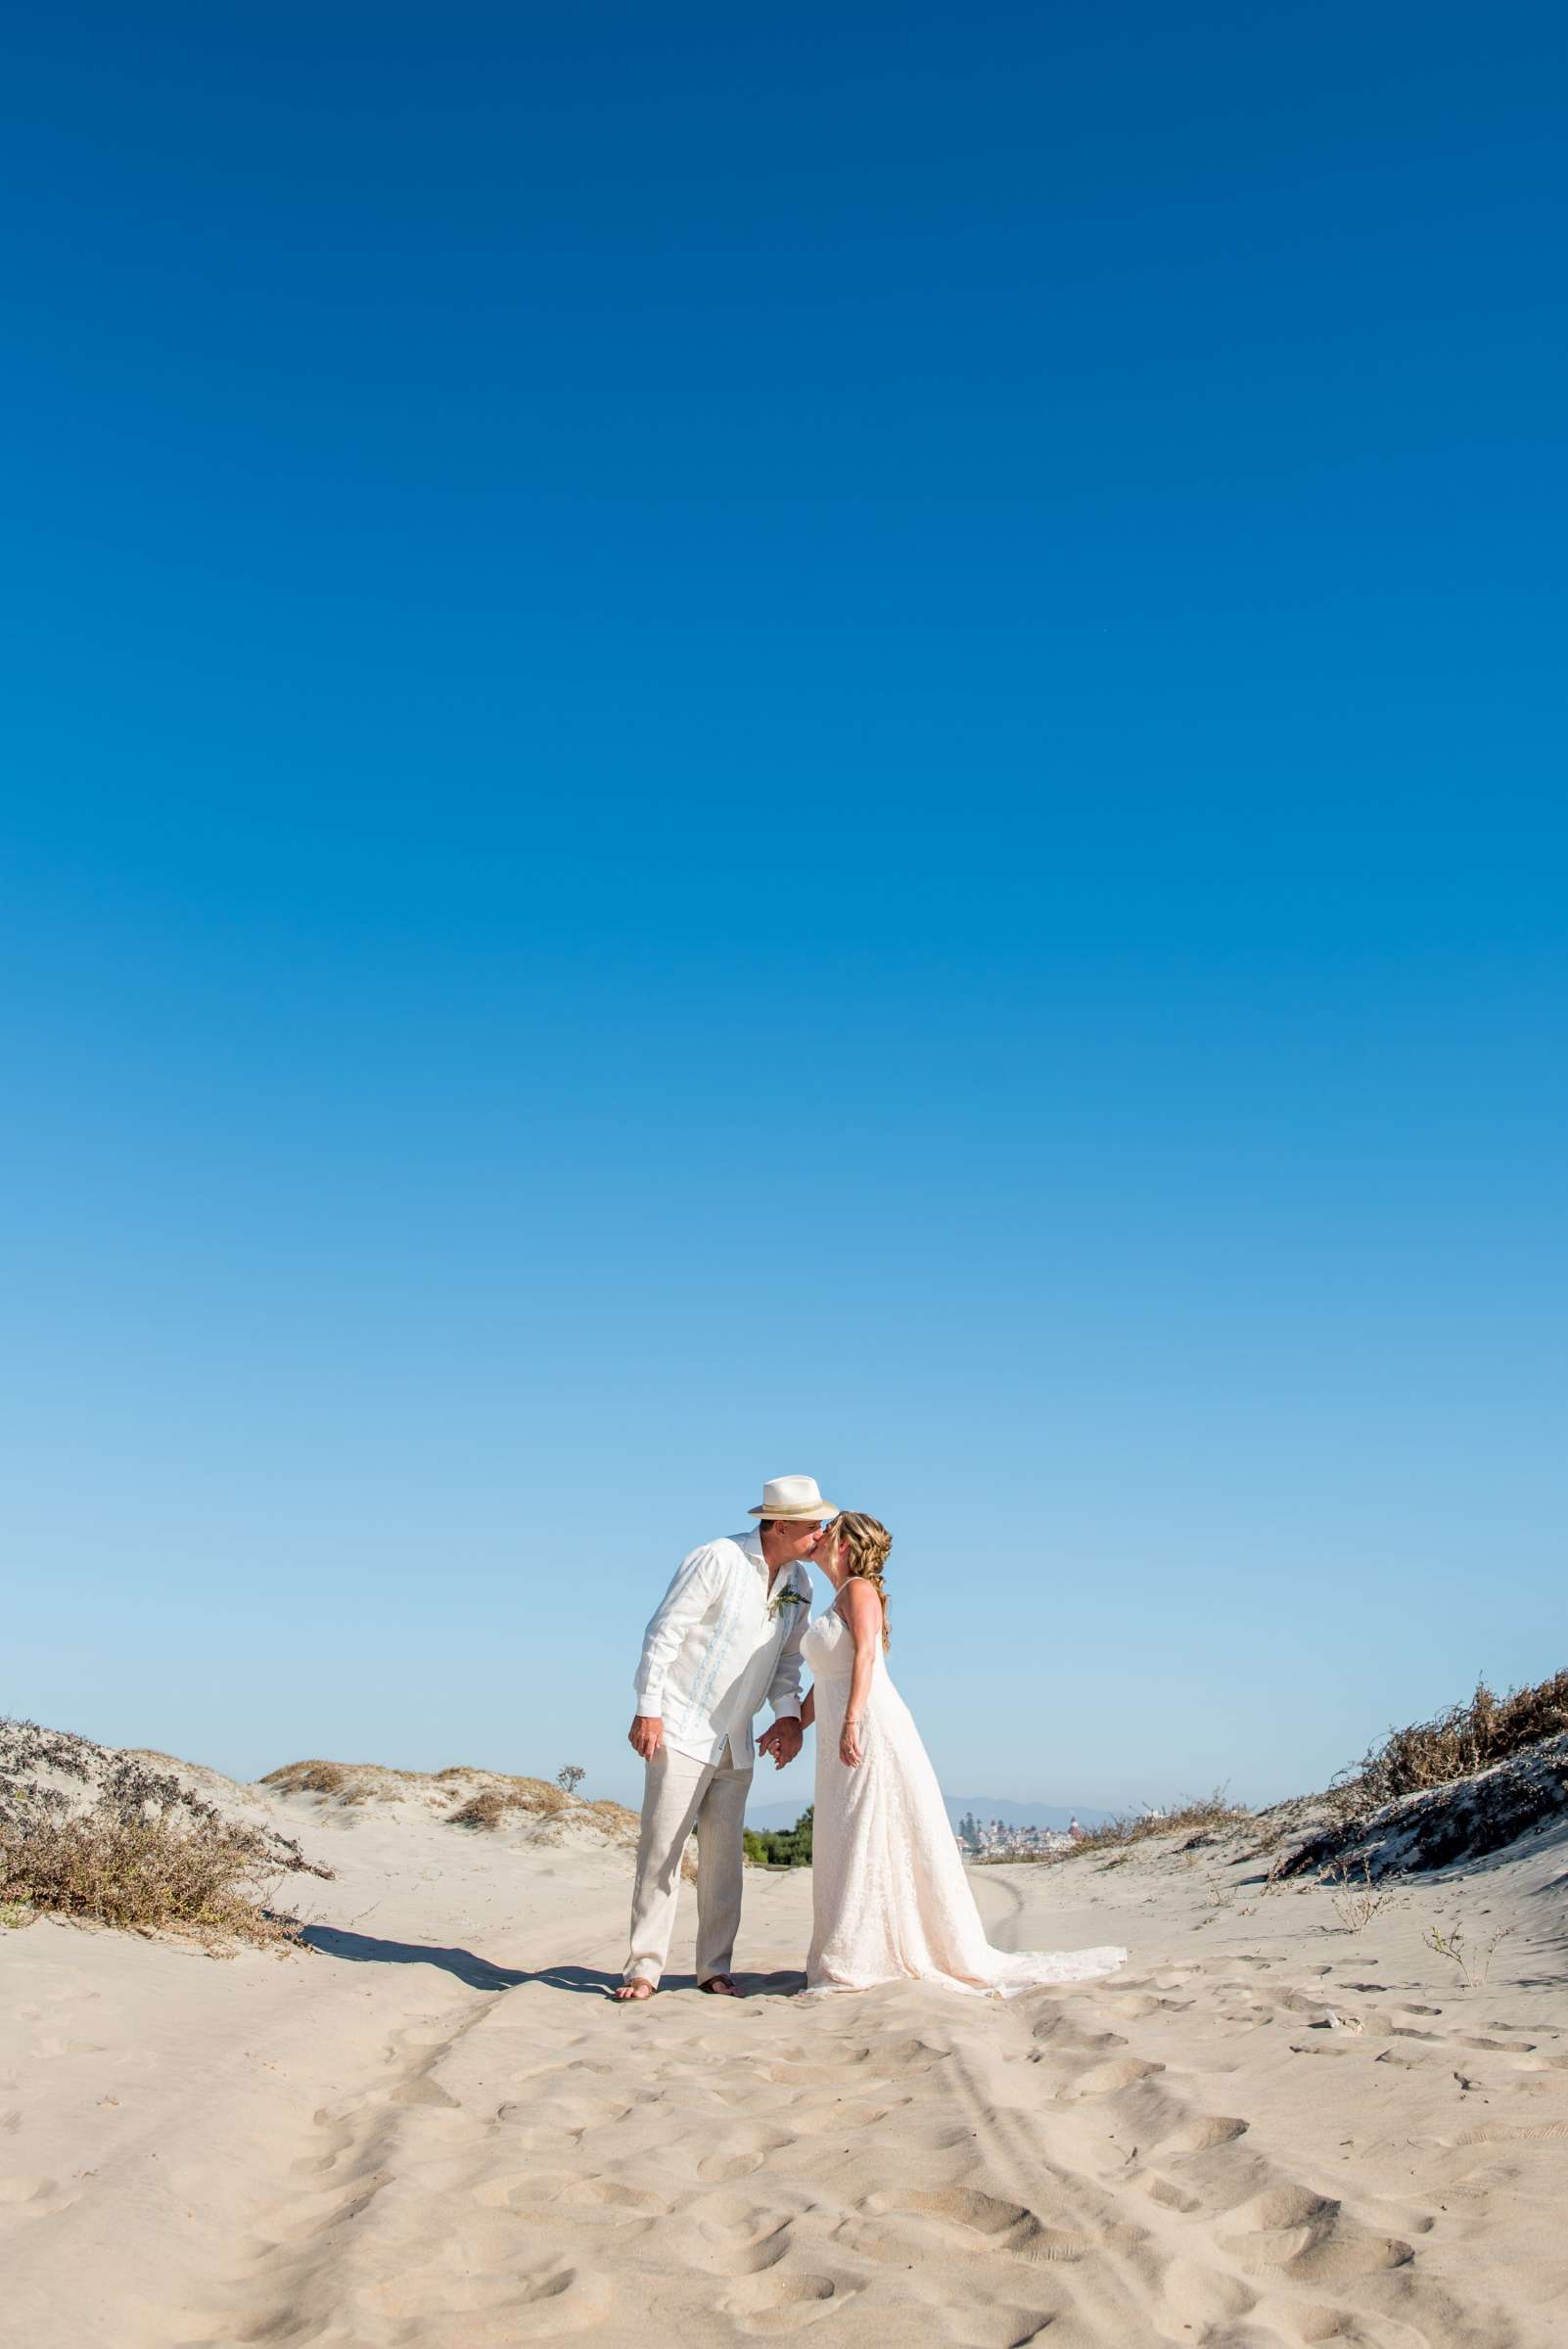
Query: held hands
[(851, 1751), (646, 1735), (782, 1742)]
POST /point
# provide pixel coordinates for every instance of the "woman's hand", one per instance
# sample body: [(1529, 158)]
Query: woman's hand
[(851, 1751)]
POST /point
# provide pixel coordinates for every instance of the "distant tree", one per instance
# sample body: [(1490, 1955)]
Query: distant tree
[(781, 1847), (569, 1778)]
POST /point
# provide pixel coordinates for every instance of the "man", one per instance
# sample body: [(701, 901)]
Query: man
[(725, 1639)]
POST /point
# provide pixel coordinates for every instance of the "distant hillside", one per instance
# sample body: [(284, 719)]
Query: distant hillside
[(984, 1806)]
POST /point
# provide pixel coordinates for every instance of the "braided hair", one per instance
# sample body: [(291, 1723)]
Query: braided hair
[(863, 1547)]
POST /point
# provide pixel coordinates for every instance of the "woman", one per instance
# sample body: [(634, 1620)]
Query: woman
[(890, 1899)]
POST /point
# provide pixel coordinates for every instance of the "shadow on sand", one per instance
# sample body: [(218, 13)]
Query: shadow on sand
[(365, 1949)]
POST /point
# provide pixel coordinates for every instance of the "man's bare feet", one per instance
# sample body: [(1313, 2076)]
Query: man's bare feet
[(722, 1986), (633, 1990)]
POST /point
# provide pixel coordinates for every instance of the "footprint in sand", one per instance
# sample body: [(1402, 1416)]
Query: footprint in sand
[(1311, 2325), (563, 2116), (740, 2148), (1062, 2035), (822, 2067), (1169, 2195), (963, 2206), (746, 2244), (997, 2326), (337, 2137), (823, 2053), (806, 2075), (558, 2300), (1109, 2079), (528, 2192), (531, 2193), (33, 2197), (528, 2305), (1203, 2135), (780, 2303), (1308, 2236), (611, 2196), (1245, 2336), (842, 2114), (909, 2055), (1199, 2296), (904, 2225)]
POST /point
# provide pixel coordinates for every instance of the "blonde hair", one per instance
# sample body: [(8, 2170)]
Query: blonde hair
[(863, 1547)]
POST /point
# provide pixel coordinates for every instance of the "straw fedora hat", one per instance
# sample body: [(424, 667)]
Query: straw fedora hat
[(793, 1497)]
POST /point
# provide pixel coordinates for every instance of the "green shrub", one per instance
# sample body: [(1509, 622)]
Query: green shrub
[(781, 1847)]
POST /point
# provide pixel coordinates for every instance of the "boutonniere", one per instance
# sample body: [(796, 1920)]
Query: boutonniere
[(789, 1597)]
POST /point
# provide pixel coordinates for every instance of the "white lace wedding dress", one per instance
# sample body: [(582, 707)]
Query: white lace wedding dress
[(890, 1899)]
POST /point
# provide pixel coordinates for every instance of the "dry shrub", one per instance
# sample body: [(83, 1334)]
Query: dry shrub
[(1199, 1820), (145, 1875), (482, 1799), (129, 1846), (1474, 1961), (491, 1806), (1358, 1896), (308, 1777), (531, 1796), (1457, 1744), (614, 1818), (486, 1810)]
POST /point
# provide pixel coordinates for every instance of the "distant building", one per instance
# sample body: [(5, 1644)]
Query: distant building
[(993, 1839)]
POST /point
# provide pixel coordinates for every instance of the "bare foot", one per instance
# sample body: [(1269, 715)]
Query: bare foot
[(722, 1986), (632, 1990)]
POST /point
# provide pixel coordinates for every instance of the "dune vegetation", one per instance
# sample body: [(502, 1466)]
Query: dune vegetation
[(106, 1839), (1457, 1743)]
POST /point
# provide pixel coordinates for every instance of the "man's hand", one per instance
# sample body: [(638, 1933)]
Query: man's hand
[(783, 1741), (647, 1735)]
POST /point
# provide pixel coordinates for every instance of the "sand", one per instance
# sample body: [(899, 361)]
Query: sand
[(437, 2133)]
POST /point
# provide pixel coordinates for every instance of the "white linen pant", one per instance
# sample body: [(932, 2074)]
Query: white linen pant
[(681, 1793)]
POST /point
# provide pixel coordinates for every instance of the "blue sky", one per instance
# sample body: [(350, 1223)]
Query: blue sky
[(830, 743)]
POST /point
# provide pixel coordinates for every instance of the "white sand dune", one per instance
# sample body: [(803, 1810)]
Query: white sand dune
[(437, 2133)]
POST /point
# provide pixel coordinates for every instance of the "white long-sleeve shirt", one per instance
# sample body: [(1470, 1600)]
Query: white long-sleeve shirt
[(713, 1654)]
